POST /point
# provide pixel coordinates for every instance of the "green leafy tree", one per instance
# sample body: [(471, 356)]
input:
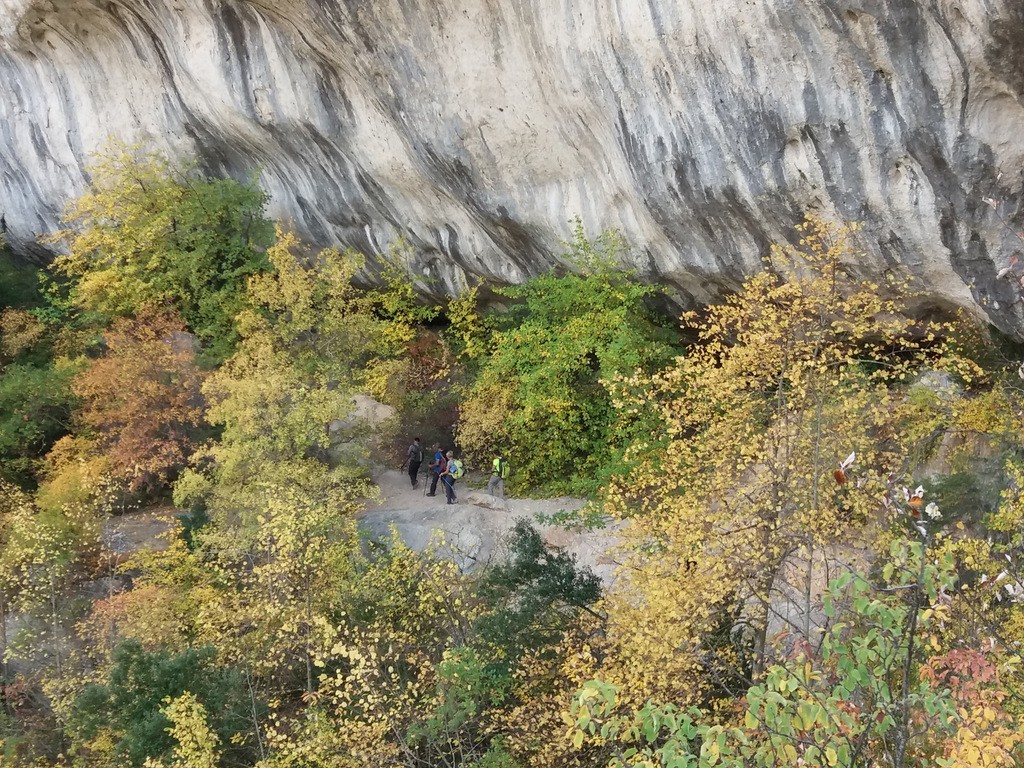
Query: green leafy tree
[(539, 393), (129, 709), (858, 699), (35, 411), (536, 594), (147, 233)]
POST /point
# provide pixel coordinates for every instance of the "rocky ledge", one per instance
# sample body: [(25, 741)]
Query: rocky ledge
[(477, 128)]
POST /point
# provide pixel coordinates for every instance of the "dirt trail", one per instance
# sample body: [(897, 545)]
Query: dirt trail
[(473, 527), (143, 529)]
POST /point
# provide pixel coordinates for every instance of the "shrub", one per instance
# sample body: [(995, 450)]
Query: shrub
[(19, 284), (535, 595), (127, 709), (540, 392), (35, 408)]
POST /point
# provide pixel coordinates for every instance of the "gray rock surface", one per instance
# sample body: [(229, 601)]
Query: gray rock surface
[(477, 128), (472, 532)]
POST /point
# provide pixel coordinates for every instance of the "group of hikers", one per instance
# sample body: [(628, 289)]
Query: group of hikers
[(447, 469)]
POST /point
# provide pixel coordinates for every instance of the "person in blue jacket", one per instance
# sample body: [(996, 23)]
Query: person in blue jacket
[(437, 466)]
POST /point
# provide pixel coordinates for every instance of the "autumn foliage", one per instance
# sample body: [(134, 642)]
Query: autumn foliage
[(151, 232), (141, 406), (816, 507)]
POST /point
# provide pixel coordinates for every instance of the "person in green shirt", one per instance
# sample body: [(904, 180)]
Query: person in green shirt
[(499, 471)]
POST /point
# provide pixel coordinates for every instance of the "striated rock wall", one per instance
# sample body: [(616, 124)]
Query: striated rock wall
[(479, 127)]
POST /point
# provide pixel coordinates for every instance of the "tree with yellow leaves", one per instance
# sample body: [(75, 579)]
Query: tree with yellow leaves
[(41, 558), (780, 428), (304, 333), (396, 687), (309, 340), (147, 232), (859, 698), (197, 743)]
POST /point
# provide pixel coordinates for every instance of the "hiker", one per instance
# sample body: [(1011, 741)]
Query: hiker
[(436, 466), (414, 457), (499, 471), (453, 471)]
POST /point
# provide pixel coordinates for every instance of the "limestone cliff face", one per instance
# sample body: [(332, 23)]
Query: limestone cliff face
[(479, 127)]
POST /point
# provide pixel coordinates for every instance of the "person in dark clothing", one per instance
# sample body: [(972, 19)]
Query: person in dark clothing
[(414, 457), (436, 467)]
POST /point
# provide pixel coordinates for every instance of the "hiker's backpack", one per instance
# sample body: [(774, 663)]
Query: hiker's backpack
[(459, 470), (501, 468)]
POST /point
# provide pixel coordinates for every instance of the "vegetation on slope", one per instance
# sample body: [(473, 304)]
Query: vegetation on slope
[(787, 594)]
